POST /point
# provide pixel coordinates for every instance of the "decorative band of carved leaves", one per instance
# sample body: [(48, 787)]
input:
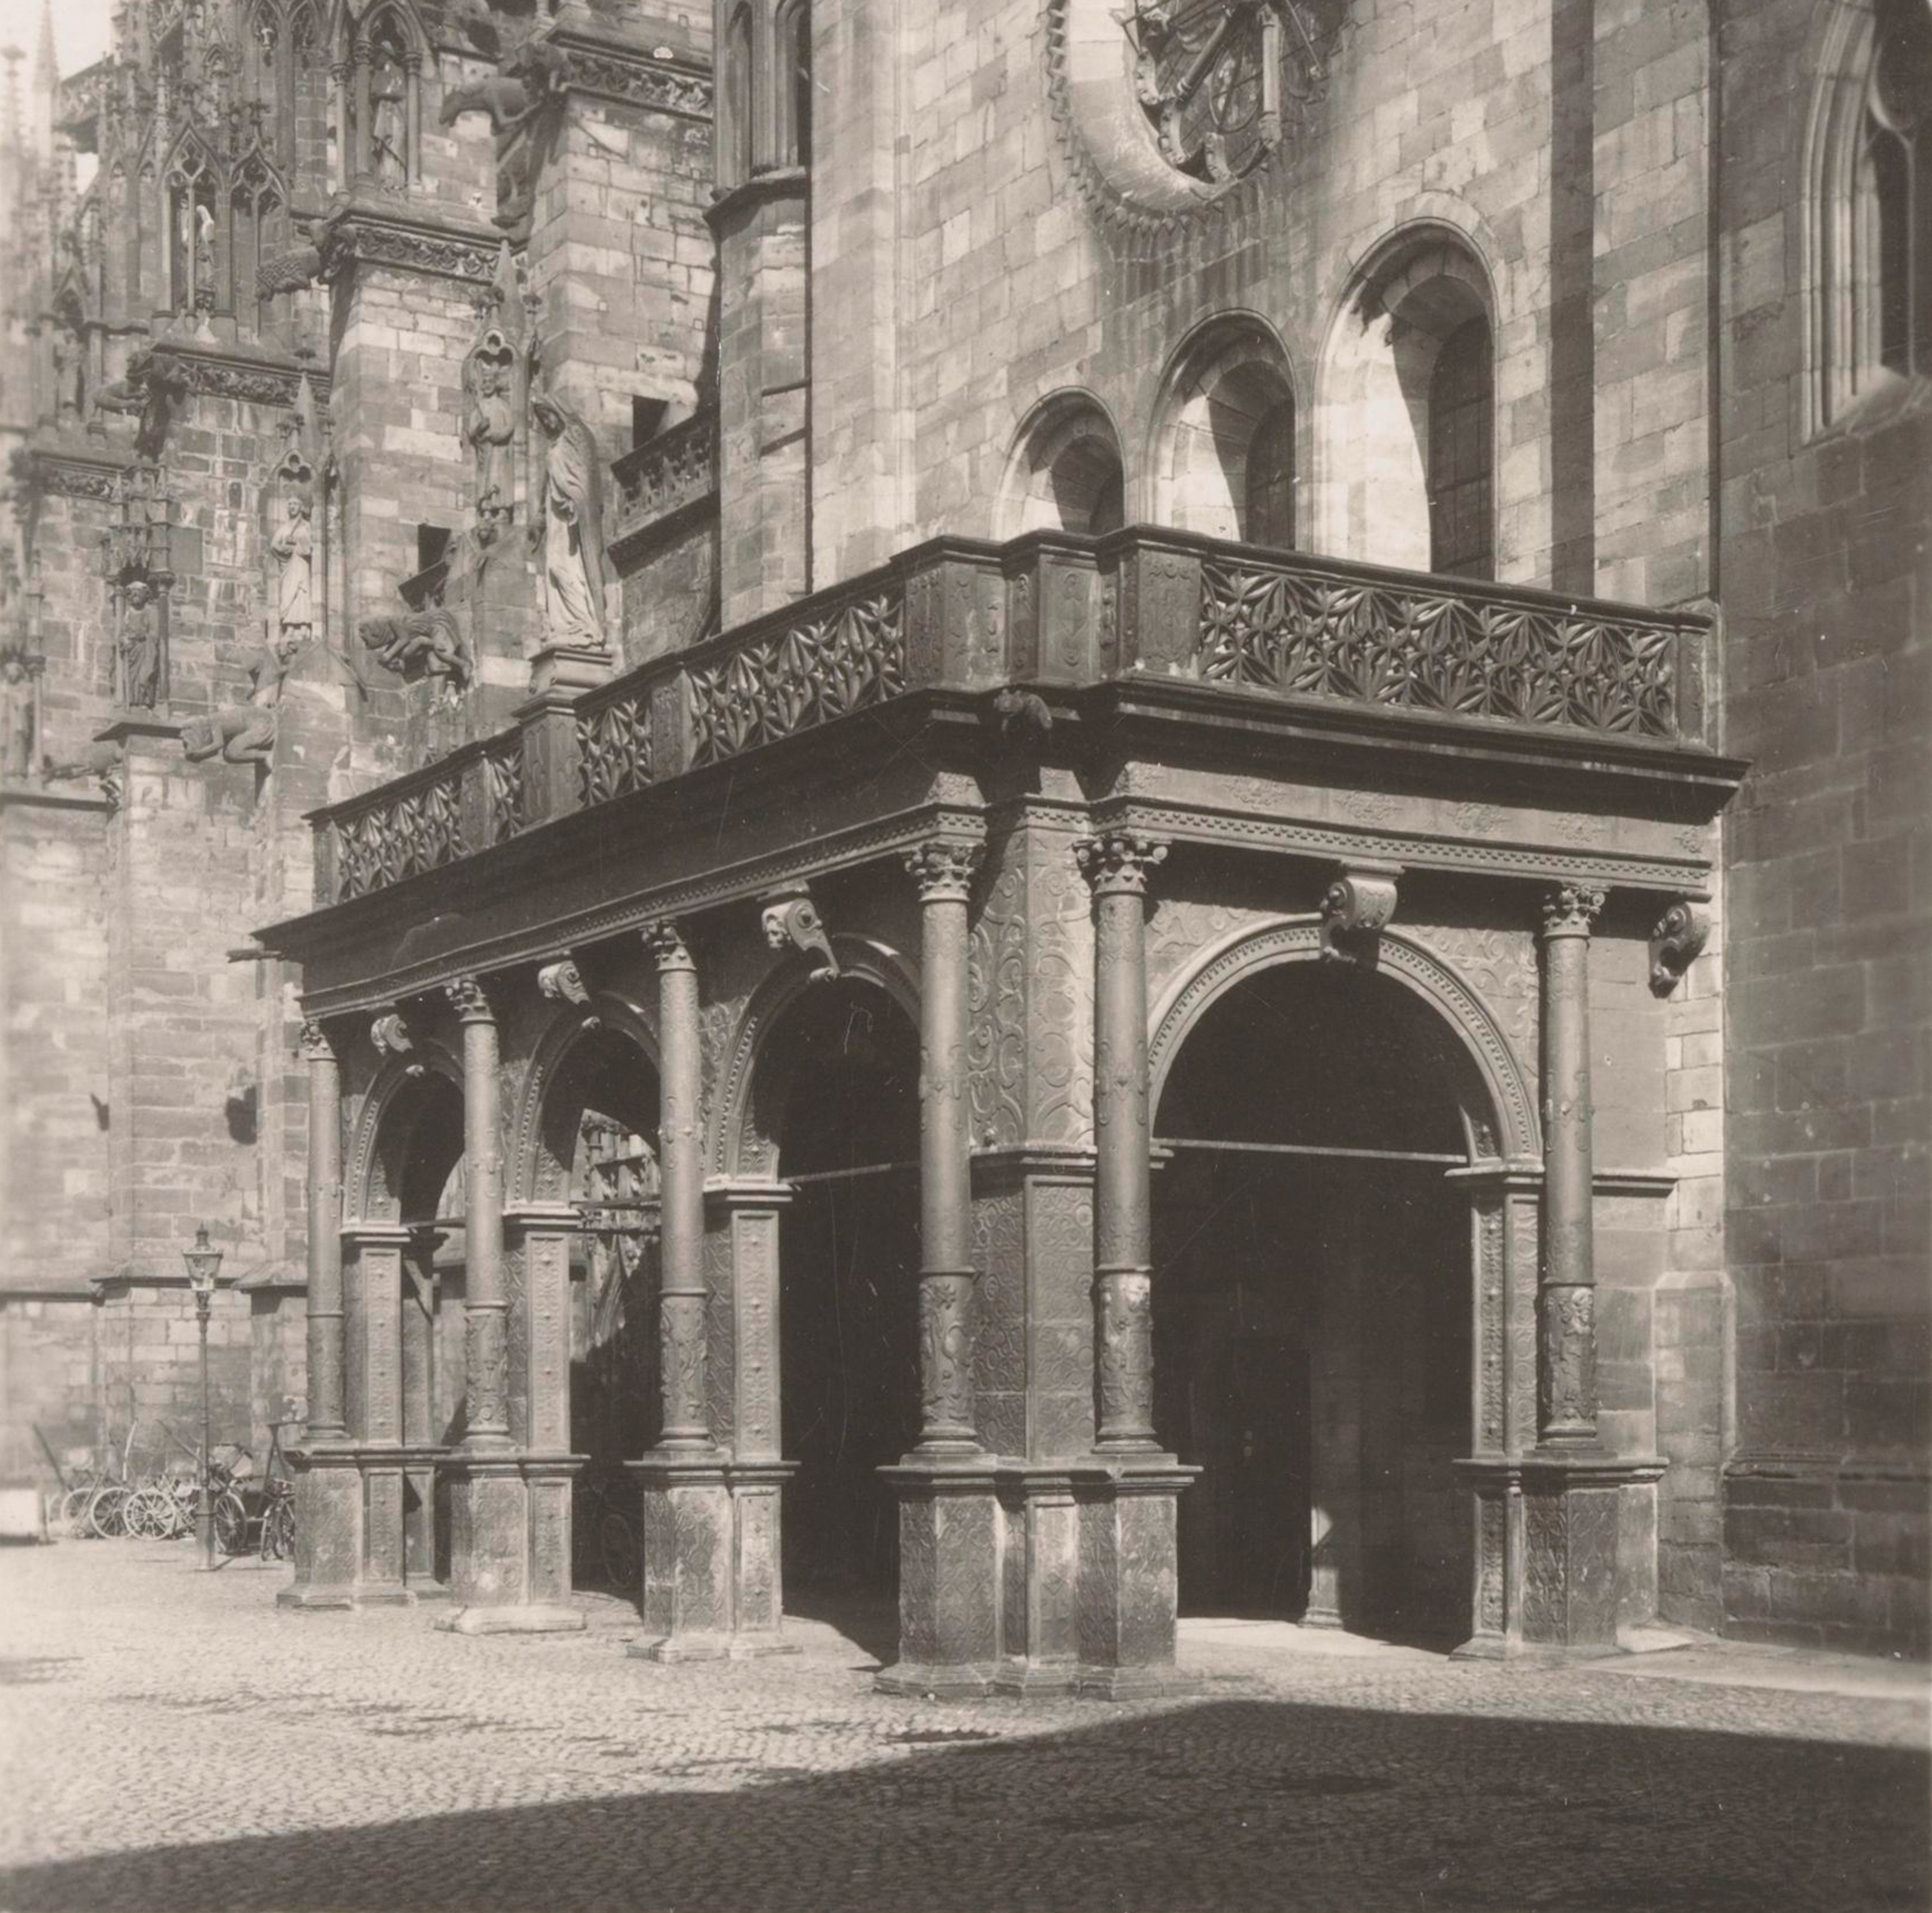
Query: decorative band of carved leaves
[(508, 811), (402, 835), (1299, 633), (852, 657), (613, 747)]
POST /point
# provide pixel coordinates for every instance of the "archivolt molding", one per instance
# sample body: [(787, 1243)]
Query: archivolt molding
[(399, 1073), (737, 1145), (1511, 1113), (605, 1012)]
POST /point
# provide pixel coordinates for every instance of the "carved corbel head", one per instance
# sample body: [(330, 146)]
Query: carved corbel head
[(792, 921), (562, 982), (1357, 908), (390, 1034), (1680, 937)]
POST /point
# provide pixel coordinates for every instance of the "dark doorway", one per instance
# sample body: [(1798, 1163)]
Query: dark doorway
[(848, 1271), (1312, 1307)]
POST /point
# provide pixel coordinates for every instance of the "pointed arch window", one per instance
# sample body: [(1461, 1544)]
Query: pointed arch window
[(1896, 185), (791, 89), (193, 209), (735, 102)]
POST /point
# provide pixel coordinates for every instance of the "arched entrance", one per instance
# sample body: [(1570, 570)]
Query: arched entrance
[(844, 1062), (595, 1149), (1315, 1314)]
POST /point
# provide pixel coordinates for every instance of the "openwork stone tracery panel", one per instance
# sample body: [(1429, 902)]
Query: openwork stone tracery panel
[(400, 835), (1303, 633)]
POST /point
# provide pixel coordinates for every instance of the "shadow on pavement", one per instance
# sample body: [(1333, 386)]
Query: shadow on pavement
[(1231, 1803)]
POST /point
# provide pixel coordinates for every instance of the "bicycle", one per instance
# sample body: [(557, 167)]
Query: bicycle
[(278, 1516)]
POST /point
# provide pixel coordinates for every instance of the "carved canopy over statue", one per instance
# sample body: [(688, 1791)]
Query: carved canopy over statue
[(571, 531)]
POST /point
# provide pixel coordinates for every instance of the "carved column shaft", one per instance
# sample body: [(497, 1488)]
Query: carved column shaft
[(1567, 1296), (325, 1420), (683, 1296), (486, 1305), (944, 873), (1117, 868)]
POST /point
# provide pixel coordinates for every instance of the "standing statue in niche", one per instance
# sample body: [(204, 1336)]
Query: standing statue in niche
[(490, 427), (295, 546), (139, 647), (204, 260), (20, 710), (388, 121), (572, 530)]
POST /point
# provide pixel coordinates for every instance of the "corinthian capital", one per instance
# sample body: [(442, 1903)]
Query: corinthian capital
[(1572, 909), (316, 1045), (944, 870), (1117, 863), (469, 999), (665, 940)]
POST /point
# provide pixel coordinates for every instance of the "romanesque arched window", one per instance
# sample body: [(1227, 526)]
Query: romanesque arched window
[(1064, 473), (1224, 444), (1461, 455)]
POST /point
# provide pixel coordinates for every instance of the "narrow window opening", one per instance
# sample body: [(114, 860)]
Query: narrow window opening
[(1461, 398), (646, 420), (432, 545)]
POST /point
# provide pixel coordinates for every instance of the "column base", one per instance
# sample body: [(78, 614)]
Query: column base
[(328, 1530), (950, 1536), (1127, 1580), (510, 1535), (1137, 1683), (301, 1600)]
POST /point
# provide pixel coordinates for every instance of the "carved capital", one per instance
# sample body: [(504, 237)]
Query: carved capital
[(1357, 906), (792, 921), (469, 999), (316, 1045), (1676, 942), (390, 1034), (944, 871), (1572, 909), (563, 982), (665, 940), (1117, 863)]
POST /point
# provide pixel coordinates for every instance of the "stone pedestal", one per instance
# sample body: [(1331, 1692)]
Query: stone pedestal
[(328, 1527), (950, 1576), (1127, 1579), (567, 669), (509, 1515), (1039, 1641)]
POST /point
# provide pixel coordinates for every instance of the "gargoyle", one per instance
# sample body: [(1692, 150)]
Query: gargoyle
[(237, 734), (423, 644)]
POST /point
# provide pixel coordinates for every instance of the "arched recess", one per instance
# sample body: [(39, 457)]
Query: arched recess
[(791, 83), (376, 97), (1490, 1085), (735, 101), (1064, 473), (1223, 454), (544, 1141), (1405, 417), (747, 1102), (392, 1155)]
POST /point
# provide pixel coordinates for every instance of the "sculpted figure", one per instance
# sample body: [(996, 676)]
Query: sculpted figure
[(140, 648), (388, 115), (571, 527), (19, 714), (294, 545), (204, 260), (490, 427), (243, 734), (424, 644)]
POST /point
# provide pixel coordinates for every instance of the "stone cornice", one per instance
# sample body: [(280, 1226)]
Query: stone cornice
[(232, 373), (64, 468), (658, 78), (360, 234)]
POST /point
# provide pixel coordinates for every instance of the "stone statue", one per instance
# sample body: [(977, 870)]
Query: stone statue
[(245, 734), (140, 647), (204, 260), (424, 644), (571, 527), (294, 545), (489, 425), (19, 711), (389, 118)]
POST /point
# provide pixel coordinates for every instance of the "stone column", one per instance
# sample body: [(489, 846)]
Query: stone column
[(1125, 1500), (375, 1324), (949, 1514), (486, 1306), (1117, 866), (944, 874), (1566, 1406), (329, 1520), (688, 1551)]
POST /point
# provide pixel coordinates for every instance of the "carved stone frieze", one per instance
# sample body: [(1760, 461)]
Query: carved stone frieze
[(358, 237)]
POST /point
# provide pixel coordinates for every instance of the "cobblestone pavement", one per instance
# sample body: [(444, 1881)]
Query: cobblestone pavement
[(172, 1740)]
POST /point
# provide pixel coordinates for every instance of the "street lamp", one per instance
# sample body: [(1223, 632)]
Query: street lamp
[(204, 1265)]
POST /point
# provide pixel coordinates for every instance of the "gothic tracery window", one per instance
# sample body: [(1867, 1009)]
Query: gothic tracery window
[(791, 90), (1896, 181)]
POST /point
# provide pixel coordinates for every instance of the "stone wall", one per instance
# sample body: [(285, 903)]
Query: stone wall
[(1827, 590)]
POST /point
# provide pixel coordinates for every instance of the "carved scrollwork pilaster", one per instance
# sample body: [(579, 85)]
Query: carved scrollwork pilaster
[(1676, 942)]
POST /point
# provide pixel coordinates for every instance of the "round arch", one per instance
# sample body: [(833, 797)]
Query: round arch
[(542, 1154), (1499, 1115), (747, 1108), (1223, 448), (1065, 472), (397, 1101)]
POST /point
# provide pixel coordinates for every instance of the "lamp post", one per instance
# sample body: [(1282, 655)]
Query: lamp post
[(204, 1264)]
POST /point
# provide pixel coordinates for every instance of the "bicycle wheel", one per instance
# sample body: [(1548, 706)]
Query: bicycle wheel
[(104, 1511), (279, 1528), (74, 1510), (147, 1514), (617, 1542), (230, 1523)]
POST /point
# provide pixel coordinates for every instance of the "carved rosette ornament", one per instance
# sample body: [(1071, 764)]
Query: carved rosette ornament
[(1356, 907), (1676, 942)]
